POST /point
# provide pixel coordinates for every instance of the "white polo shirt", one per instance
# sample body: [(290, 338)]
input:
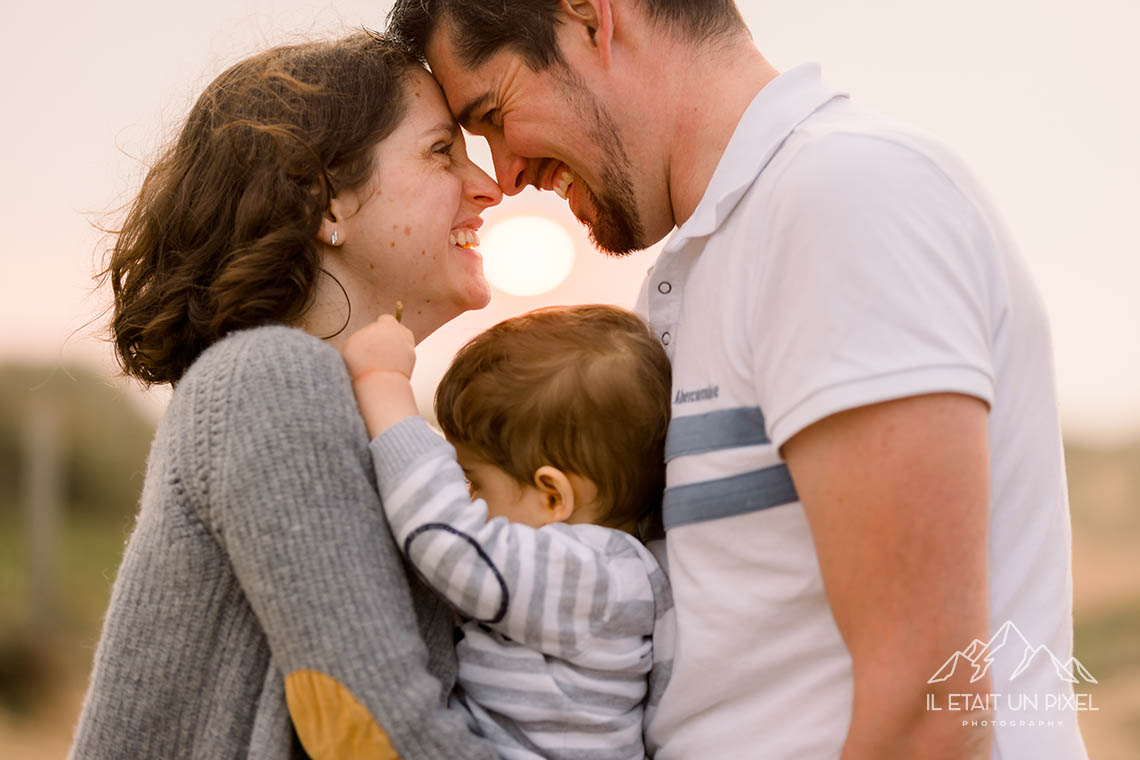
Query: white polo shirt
[(836, 260)]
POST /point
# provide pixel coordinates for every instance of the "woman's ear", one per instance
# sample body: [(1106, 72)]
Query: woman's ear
[(329, 232), (596, 17), (557, 492), (333, 229)]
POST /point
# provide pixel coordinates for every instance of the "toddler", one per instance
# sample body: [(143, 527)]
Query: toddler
[(526, 523)]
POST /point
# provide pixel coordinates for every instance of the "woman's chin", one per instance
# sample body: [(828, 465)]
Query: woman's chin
[(475, 295), (480, 294)]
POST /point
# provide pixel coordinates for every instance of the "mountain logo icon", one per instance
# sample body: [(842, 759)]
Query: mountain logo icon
[(980, 655)]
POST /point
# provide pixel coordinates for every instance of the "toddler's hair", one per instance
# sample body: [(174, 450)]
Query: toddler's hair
[(585, 389)]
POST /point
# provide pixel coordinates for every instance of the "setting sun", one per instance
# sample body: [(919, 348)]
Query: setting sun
[(527, 255)]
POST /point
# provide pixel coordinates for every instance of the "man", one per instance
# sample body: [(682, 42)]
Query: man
[(864, 464)]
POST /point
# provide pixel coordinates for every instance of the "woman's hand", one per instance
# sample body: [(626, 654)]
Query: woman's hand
[(383, 346), (380, 358)]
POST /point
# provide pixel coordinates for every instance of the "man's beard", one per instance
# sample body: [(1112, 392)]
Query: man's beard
[(616, 229)]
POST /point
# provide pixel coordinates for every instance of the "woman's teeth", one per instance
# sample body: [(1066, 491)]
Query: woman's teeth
[(562, 183), (464, 238)]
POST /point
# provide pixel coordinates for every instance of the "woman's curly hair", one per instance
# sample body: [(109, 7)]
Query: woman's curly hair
[(221, 235)]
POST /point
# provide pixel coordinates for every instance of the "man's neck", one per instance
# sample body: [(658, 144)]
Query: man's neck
[(712, 88)]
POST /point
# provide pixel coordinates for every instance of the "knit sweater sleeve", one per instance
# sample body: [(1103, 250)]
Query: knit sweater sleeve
[(279, 474), (547, 588)]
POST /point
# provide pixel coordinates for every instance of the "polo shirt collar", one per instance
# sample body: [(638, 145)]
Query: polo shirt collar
[(773, 114)]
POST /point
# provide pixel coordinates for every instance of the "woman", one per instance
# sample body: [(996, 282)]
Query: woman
[(261, 599)]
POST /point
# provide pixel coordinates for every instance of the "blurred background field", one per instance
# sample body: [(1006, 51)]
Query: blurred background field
[(69, 438)]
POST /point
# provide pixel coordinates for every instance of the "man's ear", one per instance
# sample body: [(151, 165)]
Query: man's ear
[(596, 17), (333, 230), (557, 492)]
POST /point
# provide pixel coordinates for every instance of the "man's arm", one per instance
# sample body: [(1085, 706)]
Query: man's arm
[(897, 497)]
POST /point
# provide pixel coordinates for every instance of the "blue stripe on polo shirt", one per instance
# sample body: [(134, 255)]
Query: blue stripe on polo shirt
[(728, 497), (713, 431)]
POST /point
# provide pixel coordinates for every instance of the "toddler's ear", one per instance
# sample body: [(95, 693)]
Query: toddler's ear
[(557, 492)]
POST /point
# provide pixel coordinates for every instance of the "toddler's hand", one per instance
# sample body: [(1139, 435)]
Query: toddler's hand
[(383, 346)]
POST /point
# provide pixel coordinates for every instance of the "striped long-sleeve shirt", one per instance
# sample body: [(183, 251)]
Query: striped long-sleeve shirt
[(558, 658)]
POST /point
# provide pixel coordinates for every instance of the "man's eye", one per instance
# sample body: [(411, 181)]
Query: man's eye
[(491, 118)]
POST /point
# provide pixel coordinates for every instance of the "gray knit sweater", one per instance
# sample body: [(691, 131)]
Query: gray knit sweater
[(261, 582)]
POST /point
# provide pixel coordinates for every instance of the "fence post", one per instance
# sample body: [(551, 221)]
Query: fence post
[(43, 479)]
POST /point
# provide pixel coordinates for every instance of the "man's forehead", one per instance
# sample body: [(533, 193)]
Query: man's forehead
[(469, 90), (461, 85)]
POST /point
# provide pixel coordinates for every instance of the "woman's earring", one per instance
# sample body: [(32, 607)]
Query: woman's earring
[(334, 237)]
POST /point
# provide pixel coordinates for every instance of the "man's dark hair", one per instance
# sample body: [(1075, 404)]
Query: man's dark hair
[(481, 28)]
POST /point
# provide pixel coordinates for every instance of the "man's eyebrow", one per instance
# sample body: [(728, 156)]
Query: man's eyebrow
[(464, 116)]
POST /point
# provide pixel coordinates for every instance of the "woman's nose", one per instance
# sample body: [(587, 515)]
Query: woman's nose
[(481, 189)]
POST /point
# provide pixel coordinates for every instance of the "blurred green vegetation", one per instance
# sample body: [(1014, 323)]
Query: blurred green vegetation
[(1108, 642), (102, 443), (104, 434), (1104, 490), (1104, 495)]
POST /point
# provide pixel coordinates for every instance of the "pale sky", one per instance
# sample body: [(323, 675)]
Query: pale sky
[(1033, 94)]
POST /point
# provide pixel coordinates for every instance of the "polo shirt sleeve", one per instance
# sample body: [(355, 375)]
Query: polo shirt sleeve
[(879, 282)]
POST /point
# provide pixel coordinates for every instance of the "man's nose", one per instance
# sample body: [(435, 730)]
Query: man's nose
[(510, 168)]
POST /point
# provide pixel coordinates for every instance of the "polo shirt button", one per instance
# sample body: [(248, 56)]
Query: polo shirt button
[(664, 288), (665, 338)]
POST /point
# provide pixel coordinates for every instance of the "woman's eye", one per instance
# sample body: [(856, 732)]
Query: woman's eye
[(443, 149)]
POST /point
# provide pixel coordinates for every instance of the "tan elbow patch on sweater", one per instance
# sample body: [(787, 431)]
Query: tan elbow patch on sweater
[(330, 722)]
